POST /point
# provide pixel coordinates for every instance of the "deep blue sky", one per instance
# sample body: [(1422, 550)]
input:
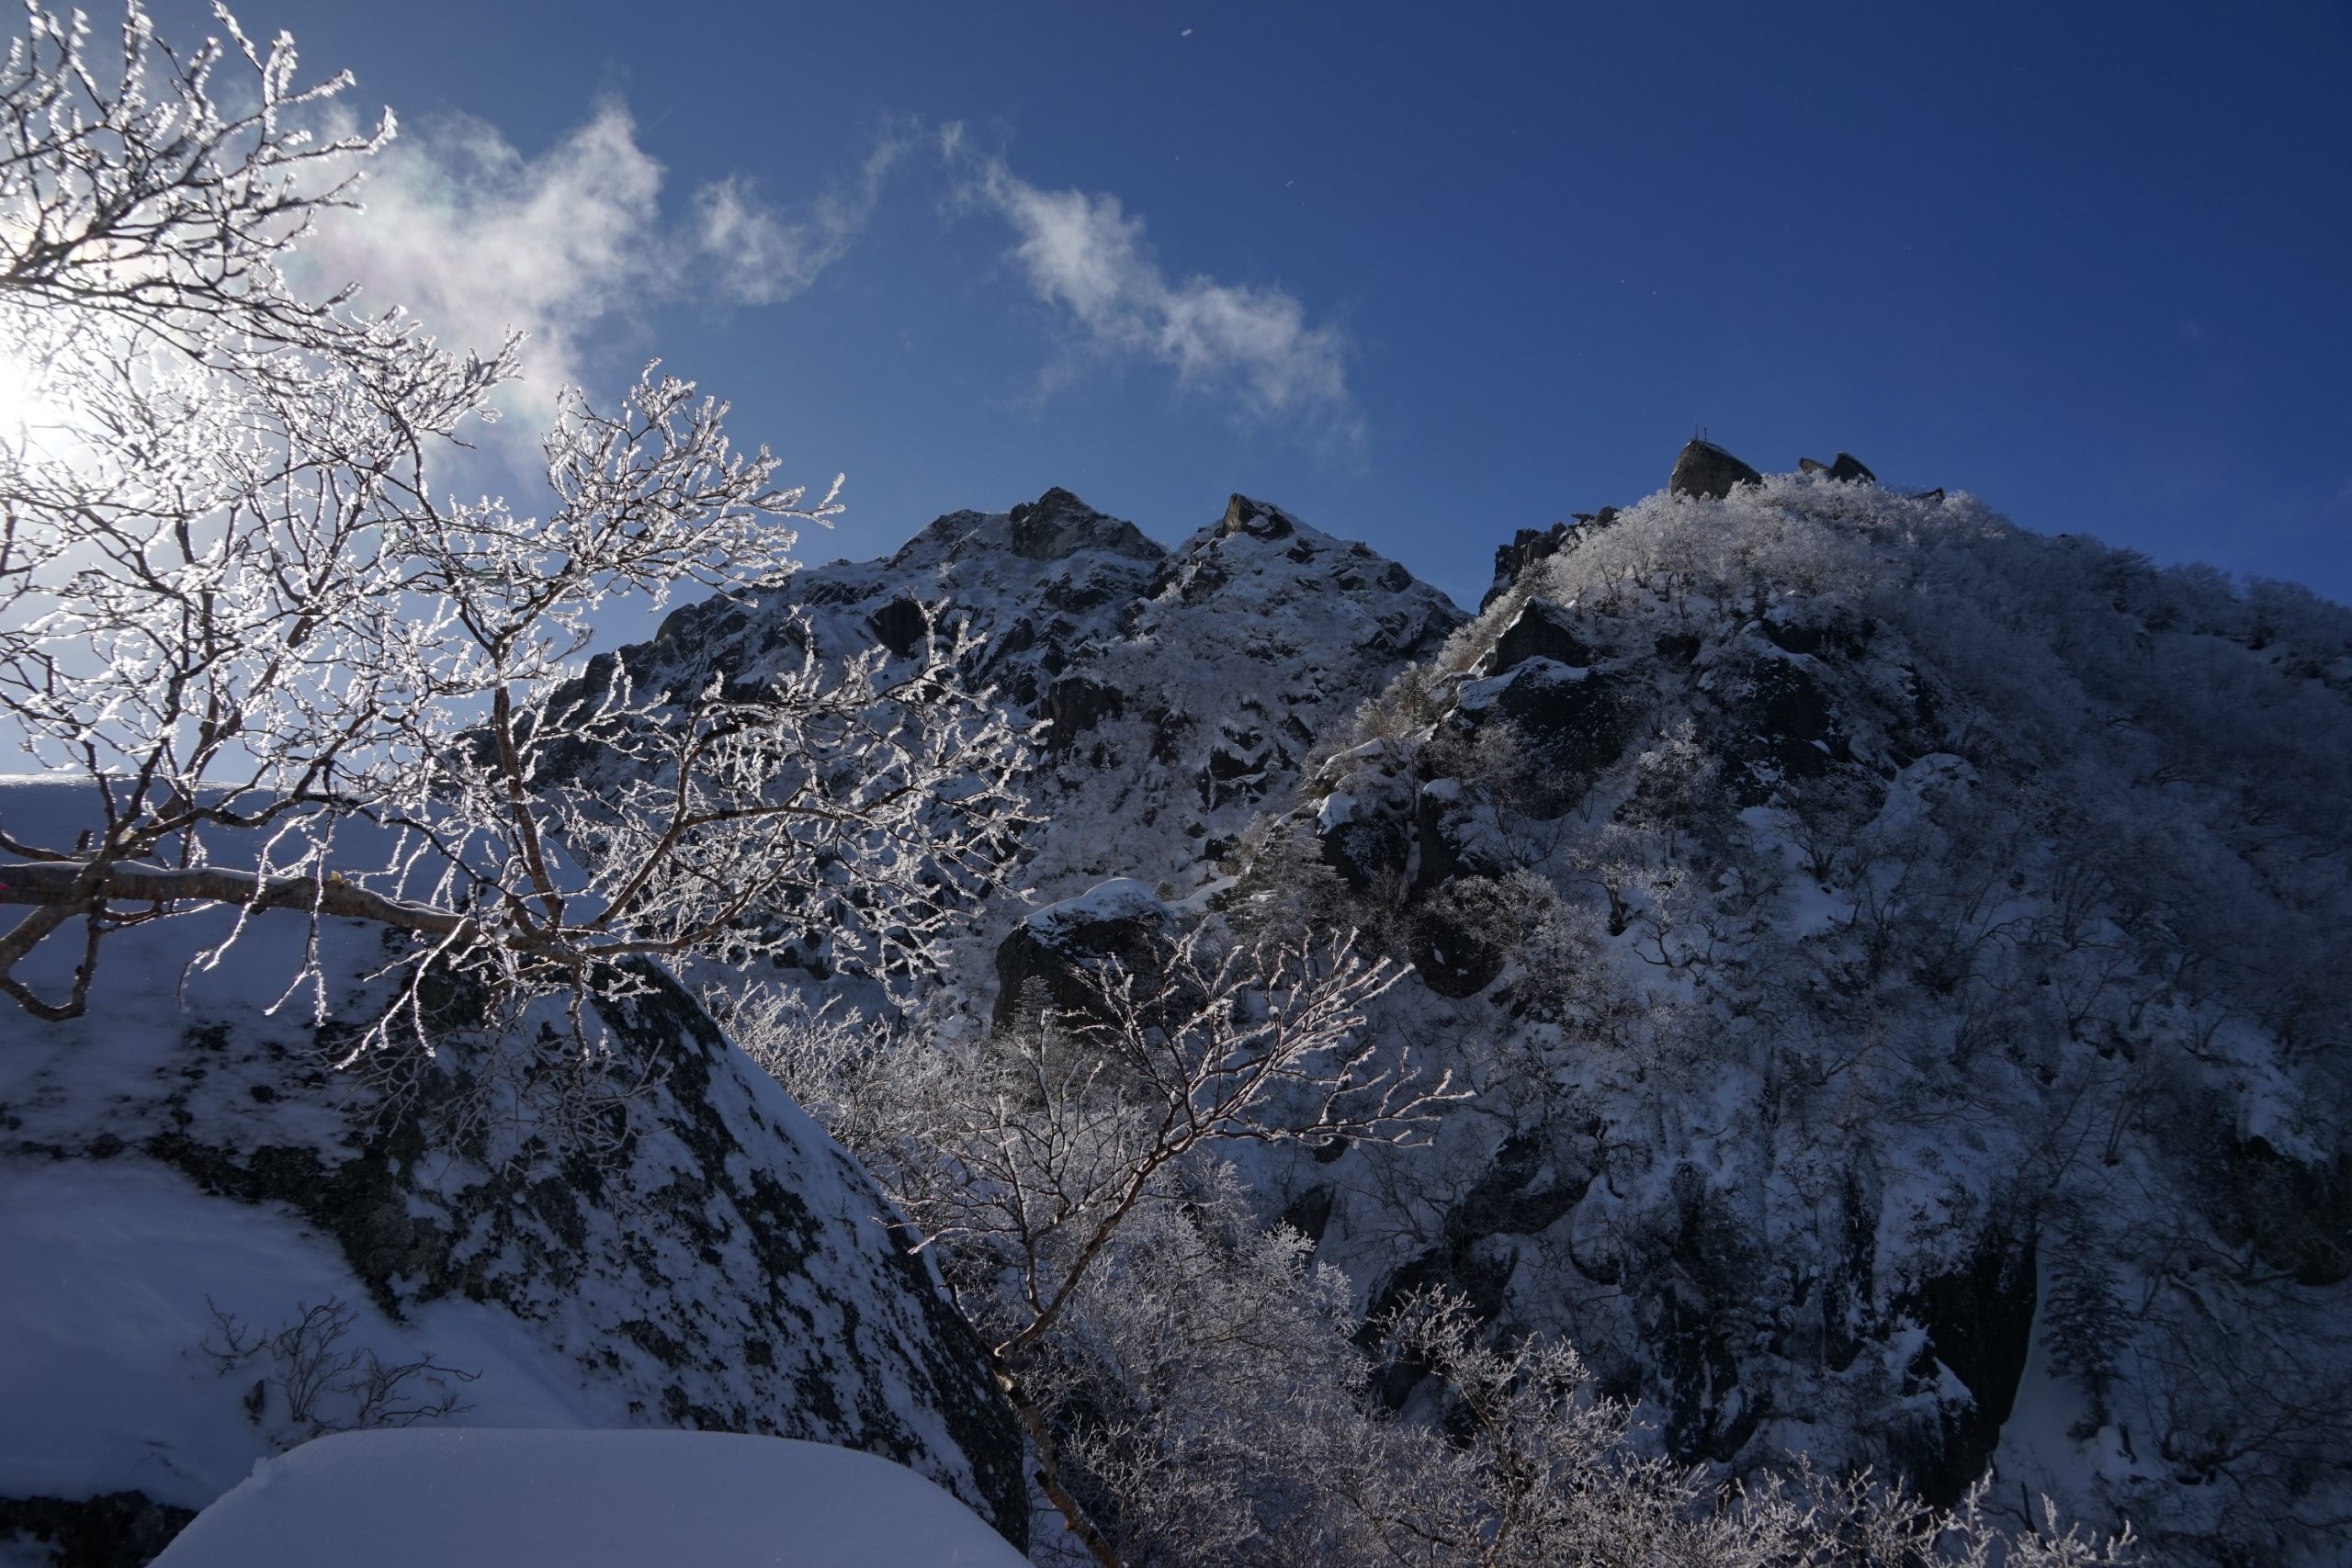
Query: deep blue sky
[(2091, 262)]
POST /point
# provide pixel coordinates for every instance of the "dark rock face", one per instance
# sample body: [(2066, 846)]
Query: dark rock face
[(1057, 524), (1075, 705), (1541, 631), (1057, 953), (1706, 469), (1366, 832), (1698, 1281), (2296, 1214), (1370, 852), (1242, 764), (1521, 1195), (1573, 716), (1462, 938), (1678, 648), (1257, 518), (1526, 547), (1785, 726), (1408, 634), (122, 1529), (900, 625), (1309, 1214), (1979, 1323)]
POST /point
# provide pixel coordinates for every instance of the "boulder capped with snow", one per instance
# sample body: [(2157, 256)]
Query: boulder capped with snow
[(1540, 630), (220, 1244), (1577, 719), (404, 1499), (1059, 955)]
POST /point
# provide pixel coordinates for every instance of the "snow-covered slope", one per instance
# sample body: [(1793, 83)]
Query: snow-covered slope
[(1183, 687), (538, 1499), (218, 1244), (1905, 962), (1900, 961), (1901, 957)]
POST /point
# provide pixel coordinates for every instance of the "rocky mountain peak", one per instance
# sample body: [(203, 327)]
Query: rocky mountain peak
[(1847, 470), (1057, 524), (1704, 468), (1261, 519)]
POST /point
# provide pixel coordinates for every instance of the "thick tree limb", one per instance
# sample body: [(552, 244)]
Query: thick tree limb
[(65, 886)]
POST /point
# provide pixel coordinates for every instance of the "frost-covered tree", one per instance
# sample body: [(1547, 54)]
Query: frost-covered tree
[(1032, 1160), (297, 676), (2082, 1321), (1199, 1392)]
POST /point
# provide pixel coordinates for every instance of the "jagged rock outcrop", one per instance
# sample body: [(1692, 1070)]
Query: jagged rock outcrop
[(1256, 518), (1704, 468), (1847, 470), (1057, 525), (1527, 547), (1184, 686), (1576, 718), (1061, 956), (1540, 630)]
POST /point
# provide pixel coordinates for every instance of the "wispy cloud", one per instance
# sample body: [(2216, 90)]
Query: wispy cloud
[(476, 239), (765, 258), (571, 246), (1087, 255)]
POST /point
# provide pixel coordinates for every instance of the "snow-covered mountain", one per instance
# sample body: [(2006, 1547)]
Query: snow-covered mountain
[(1905, 956), (1184, 688), (1899, 960), (1900, 956)]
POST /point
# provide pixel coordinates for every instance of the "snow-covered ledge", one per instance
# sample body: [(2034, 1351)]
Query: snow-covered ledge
[(523, 1499)]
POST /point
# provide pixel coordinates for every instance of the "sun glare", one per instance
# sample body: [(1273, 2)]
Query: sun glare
[(23, 397)]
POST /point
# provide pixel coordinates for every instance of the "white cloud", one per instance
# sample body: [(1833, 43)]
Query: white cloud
[(765, 259), (475, 239), (1085, 255)]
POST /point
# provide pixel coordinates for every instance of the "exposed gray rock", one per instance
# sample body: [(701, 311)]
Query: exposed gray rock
[(1059, 954), (1527, 547), (1576, 717), (1542, 630), (1075, 705), (1706, 469), (1847, 469), (1057, 524), (1258, 518)]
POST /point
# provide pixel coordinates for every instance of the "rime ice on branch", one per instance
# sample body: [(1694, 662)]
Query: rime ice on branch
[(296, 680)]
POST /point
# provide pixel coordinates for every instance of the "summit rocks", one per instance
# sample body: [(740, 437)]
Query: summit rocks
[(1706, 469), (1178, 690)]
